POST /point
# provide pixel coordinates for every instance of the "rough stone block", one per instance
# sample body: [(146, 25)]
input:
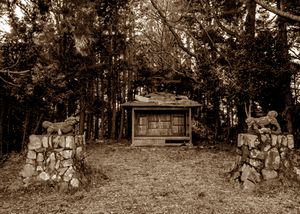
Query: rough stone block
[(79, 152), (67, 154), (264, 138), (69, 174), (62, 142), (256, 163), (273, 159), (246, 139), (31, 154), (57, 164), (284, 141), (254, 176), (256, 154), (246, 170), (52, 165), (54, 177), (40, 157), (251, 140), (70, 144), (34, 142), (52, 156), (279, 140), (61, 171), (286, 163), (45, 140), (40, 150), (39, 163), (27, 171), (67, 163), (39, 169), (30, 161), (50, 141), (296, 170), (51, 160), (269, 174), (274, 139), (267, 148), (75, 183), (290, 141), (59, 150), (55, 141)]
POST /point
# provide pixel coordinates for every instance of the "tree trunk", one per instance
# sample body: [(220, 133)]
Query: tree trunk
[(250, 21), (89, 129), (112, 87), (38, 123), (277, 11), (96, 122), (26, 122), (286, 76), (102, 110), (249, 36), (121, 125), (2, 109), (82, 116)]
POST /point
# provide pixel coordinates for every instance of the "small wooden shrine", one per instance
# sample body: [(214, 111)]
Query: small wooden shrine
[(160, 119)]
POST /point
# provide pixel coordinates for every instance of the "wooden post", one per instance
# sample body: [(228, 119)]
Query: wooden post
[(190, 125), (132, 125), (121, 124)]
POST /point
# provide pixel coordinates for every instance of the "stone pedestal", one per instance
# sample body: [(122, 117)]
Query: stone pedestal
[(263, 157), (56, 159)]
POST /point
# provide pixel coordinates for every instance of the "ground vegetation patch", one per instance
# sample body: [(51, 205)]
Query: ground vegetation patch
[(125, 179)]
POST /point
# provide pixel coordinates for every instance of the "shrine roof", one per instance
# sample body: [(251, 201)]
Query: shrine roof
[(161, 99)]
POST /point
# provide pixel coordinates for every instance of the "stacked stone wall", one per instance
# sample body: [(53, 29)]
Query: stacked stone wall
[(55, 159), (262, 157)]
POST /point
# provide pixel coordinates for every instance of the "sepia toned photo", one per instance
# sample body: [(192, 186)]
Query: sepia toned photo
[(149, 107)]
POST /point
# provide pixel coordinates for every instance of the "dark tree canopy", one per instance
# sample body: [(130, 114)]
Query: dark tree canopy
[(85, 58)]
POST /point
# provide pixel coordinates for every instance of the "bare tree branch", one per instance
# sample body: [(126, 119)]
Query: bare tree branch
[(10, 83), (212, 42), (12, 66), (178, 39), (14, 72), (227, 30), (277, 11)]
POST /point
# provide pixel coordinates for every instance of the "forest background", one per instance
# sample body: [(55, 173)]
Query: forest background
[(61, 58)]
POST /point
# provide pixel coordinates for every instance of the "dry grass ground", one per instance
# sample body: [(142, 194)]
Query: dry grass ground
[(150, 180)]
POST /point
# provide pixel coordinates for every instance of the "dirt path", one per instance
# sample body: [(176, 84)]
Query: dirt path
[(154, 180)]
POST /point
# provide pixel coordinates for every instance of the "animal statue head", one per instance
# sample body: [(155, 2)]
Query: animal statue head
[(262, 125)]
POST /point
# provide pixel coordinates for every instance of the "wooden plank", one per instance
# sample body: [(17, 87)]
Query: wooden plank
[(142, 130), (132, 125), (190, 125), (149, 142), (143, 120), (162, 108), (163, 138)]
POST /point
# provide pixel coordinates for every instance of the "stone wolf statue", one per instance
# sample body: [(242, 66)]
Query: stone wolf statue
[(61, 127), (262, 124)]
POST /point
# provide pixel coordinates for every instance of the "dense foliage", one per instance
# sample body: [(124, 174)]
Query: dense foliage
[(85, 58)]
